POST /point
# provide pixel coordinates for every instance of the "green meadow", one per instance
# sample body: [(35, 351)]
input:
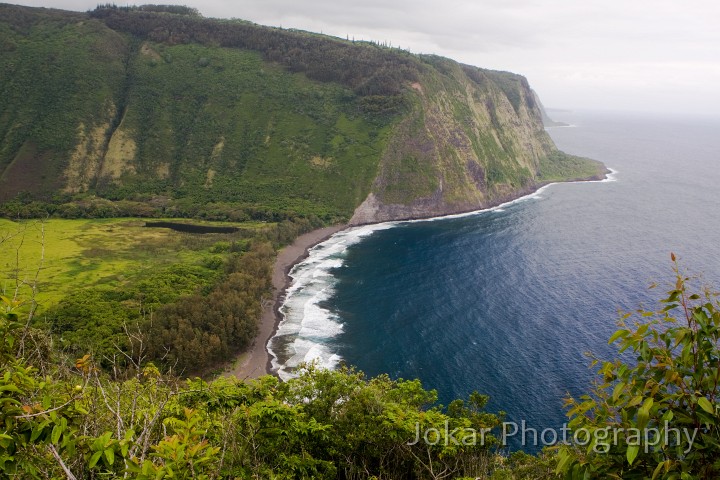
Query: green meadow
[(63, 256)]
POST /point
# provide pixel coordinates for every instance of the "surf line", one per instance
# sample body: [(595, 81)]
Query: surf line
[(306, 329)]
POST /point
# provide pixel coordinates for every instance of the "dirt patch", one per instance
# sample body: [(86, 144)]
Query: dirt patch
[(86, 158), (321, 162), (148, 51), (97, 252), (163, 170), (30, 171), (120, 155), (209, 178), (218, 149)]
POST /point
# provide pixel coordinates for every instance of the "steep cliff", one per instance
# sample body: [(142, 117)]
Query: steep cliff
[(472, 139), (125, 111), (547, 121)]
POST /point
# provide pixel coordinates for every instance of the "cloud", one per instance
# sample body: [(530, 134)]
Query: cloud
[(567, 49)]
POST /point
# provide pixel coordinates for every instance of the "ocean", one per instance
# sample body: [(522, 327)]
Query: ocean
[(510, 301)]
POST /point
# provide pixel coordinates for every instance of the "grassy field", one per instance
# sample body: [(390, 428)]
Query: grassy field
[(561, 167), (67, 255)]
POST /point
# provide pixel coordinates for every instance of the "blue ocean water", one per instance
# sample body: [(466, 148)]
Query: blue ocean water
[(507, 302)]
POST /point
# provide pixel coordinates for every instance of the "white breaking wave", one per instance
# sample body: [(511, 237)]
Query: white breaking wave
[(612, 176), (307, 329), (567, 125)]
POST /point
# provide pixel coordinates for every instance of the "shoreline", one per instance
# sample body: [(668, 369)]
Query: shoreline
[(256, 362), (606, 176)]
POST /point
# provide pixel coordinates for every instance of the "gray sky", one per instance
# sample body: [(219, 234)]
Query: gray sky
[(641, 55)]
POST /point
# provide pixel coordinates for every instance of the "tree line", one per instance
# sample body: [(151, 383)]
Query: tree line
[(369, 69)]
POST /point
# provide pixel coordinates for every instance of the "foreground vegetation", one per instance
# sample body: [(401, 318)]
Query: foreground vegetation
[(665, 403), (63, 417)]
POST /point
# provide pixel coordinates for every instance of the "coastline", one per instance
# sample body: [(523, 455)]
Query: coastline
[(500, 201), (255, 362)]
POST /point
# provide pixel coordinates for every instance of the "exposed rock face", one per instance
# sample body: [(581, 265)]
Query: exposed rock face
[(475, 138)]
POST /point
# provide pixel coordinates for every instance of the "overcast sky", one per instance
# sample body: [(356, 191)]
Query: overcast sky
[(659, 55)]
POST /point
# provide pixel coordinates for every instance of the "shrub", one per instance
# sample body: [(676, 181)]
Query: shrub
[(656, 417)]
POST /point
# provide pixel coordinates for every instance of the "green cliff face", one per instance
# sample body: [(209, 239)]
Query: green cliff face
[(163, 113), (472, 139)]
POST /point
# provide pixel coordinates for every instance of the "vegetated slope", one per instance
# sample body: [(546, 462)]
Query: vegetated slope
[(173, 114), (473, 138)]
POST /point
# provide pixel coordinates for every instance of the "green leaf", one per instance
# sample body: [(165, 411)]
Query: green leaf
[(564, 458), (110, 455), (5, 441), (632, 453), (79, 408), (620, 333), (94, 459), (56, 432), (706, 405), (618, 390), (132, 466), (657, 470), (35, 434)]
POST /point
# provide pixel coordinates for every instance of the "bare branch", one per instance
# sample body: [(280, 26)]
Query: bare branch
[(31, 415), (67, 471)]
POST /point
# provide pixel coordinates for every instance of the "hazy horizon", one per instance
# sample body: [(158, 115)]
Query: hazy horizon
[(642, 57)]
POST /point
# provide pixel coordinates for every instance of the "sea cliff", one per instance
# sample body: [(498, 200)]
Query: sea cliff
[(138, 111)]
